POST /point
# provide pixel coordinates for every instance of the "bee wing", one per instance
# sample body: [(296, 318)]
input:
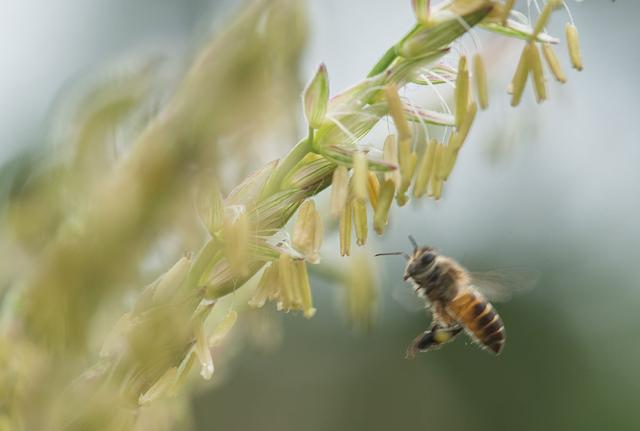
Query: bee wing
[(500, 285), (408, 299)]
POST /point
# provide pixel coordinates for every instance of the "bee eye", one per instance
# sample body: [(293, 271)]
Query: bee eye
[(426, 259)]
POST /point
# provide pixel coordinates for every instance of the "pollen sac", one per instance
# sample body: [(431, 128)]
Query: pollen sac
[(465, 127), (406, 178), (345, 228), (308, 231), (316, 98), (480, 76), (373, 189), (425, 169), (385, 198), (437, 157), (339, 190), (450, 156), (442, 336), (267, 286), (303, 289), (360, 221), (437, 188), (360, 176), (462, 92), (285, 281), (435, 182), (443, 153), (361, 293), (573, 44), (520, 77), (537, 73), (406, 158), (390, 155), (396, 111), (553, 63), (287, 299), (236, 241)]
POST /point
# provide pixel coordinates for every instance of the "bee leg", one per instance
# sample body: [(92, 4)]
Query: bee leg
[(432, 339)]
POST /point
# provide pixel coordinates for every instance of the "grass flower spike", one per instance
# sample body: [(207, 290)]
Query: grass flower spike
[(133, 203)]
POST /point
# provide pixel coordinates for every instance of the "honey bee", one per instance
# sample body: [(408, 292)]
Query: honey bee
[(454, 297)]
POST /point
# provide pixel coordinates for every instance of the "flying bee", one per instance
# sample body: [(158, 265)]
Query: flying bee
[(455, 297)]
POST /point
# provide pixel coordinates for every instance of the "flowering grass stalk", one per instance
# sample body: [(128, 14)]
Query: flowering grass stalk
[(243, 227)]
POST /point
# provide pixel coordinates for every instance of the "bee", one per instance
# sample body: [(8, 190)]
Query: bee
[(454, 297)]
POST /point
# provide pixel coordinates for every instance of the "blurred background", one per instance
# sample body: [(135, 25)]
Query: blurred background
[(551, 187)]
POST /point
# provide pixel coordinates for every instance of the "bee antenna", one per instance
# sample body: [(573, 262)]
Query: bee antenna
[(395, 253), (413, 241)]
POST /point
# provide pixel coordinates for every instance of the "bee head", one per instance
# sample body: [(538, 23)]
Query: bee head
[(420, 262)]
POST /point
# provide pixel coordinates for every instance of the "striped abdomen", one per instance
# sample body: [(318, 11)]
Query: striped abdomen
[(479, 318)]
